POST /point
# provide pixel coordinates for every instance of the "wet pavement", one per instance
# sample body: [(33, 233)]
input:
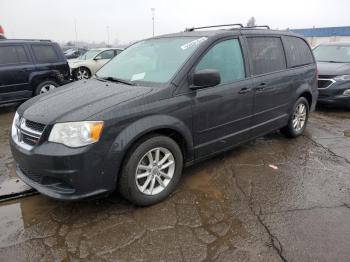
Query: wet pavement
[(272, 199)]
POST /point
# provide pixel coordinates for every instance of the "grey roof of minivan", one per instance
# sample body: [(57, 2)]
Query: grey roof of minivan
[(235, 31)]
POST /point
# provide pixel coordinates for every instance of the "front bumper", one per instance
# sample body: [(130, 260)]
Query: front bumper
[(64, 173), (334, 95)]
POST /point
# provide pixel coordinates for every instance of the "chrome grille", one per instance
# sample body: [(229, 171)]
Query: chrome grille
[(324, 83), (35, 126), (28, 133)]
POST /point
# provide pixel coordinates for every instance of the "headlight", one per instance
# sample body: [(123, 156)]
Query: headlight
[(76, 134), (342, 78), (15, 123)]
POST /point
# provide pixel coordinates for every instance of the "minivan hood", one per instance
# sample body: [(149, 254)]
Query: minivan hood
[(333, 69), (78, 101)]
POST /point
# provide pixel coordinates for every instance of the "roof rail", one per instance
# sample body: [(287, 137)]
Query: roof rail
[(212, 26), (258, 26), (40, 40)]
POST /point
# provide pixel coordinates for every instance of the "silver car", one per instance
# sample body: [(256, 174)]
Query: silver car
[(87, 64)]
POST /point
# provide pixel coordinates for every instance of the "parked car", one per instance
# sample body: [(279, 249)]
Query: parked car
[(87, 64), (29, 68), (74, 53), (2, 33), (162, 104), (333, 62)]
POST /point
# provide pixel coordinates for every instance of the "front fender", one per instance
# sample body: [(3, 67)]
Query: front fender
[(141, 127)]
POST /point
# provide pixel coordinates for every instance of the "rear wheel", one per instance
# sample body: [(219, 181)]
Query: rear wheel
[(298, 119), (45, 87), (151, 171)]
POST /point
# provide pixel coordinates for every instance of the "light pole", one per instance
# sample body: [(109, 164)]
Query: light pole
[(153, 10)]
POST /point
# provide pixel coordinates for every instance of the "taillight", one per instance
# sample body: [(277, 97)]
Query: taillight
[(1, 30)]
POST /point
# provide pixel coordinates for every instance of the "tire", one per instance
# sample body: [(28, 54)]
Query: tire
[(138, 156), (45, 87), (82, 73), (296, 126)]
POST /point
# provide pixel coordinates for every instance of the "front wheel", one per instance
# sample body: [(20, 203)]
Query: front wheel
[(82, 73), (151, 171), (298, 119)]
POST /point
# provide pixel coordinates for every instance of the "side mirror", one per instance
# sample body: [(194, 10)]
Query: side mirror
[(205, 78), (98, 57)]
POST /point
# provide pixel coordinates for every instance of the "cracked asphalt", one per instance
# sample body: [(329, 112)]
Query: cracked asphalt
[(272, 199)]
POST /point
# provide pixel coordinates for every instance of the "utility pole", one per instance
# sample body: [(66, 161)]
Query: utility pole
[(153, 10), (76, 32), (107, 35)]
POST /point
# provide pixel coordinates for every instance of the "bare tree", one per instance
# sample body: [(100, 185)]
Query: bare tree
[(251, 21)]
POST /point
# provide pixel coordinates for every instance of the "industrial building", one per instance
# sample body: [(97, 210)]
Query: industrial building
[(319, 35)]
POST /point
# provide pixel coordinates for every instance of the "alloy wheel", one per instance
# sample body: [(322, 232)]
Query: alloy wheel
[(47, 88), (83, 74), (299, 117), (155, 171)]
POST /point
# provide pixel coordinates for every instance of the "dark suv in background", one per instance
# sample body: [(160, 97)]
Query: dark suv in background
[(29, 68), (162, 104), (333, 63)]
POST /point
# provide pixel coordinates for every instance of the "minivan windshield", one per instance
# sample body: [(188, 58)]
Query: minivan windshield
[(332, 53), (89, 54), (153, 61)]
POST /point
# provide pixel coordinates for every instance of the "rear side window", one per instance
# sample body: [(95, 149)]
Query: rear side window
[(226, 57), (21, 54), (298, 52), (45, 53), (12, 55), (267, 54)]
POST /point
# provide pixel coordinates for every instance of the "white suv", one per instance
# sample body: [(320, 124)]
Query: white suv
[(87, 64)]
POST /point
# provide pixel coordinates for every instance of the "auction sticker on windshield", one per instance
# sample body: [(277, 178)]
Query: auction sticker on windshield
[(193, 43), (139, 76)]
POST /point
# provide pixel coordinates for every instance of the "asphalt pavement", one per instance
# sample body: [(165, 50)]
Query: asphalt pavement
[(272, 199)]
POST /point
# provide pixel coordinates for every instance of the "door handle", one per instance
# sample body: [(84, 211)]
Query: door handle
[(261, 87), (244, 90)]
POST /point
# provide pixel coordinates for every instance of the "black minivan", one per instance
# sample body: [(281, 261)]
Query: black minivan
[(30, 67), (162, 104)]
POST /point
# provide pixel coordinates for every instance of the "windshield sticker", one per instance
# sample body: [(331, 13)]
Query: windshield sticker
[(193, 43), (138, 76)]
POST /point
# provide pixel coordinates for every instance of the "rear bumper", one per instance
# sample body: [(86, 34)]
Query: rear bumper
[(63, 173)]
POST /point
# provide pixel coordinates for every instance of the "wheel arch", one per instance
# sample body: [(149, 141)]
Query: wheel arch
[(37, 78), (133, 133), (305, 90), (308, 96)]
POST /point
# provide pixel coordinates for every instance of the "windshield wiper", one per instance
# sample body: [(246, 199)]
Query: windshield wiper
[(117, 80), (331, 61)]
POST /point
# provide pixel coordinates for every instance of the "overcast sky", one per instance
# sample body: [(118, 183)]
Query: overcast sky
[(132, 19)]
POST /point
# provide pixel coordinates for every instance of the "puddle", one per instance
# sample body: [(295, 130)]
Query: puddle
[(202, 180), (347, 133)]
